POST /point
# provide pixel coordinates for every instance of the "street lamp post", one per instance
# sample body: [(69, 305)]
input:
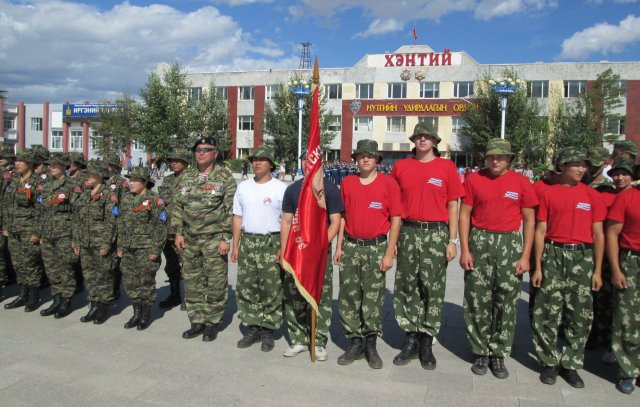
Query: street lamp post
[(300, 89), (505, 87)]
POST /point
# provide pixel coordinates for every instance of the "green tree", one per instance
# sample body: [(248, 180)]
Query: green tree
[(525, 128), (605, 99), (117, 128), (281, 123), (209, 117)]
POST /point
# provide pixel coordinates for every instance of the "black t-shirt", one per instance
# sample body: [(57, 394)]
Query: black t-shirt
[(331, 196)]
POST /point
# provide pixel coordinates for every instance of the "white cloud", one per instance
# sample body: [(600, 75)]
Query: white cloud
[(56, 50), (602, 38), (378, 27), (488, 9), (239, 2), (599, 2)]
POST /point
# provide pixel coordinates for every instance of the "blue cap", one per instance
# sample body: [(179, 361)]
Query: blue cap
[(303, 155)]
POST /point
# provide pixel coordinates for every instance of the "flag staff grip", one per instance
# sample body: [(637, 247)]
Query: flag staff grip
[(313, 335)]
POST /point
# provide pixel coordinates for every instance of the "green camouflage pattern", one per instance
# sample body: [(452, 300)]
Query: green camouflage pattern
[(139, 275), (168, 190), (497, 146), (425, 128), (40, 153), (597, 155), (139, 173), (119, 185), (492, 291), (98, 272), (626, 319), (420, 281), (361, 289), (264, 151), (367, 146), (622, 163), (626, 146), (6, 177), (259, 284), (571, 155), (565, 295)]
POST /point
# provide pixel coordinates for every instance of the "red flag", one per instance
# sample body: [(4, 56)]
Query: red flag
[(414, 33), (305, 256)]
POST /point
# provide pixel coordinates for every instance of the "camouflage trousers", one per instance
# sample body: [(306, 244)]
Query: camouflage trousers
[(625, 338), (491, 292), (259, 285), (565, 291), (204, 273), (98, 273), (59, 260), (5, 261), (603, 309), (172, 258), (361, 289), (26, 258), (421, 274), (139, 275), (298, 310)]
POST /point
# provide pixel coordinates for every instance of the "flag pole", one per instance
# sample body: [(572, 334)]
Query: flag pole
[(313, 335)]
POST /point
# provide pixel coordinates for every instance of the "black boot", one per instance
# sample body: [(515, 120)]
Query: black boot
[(64, 309), (135, 319), (427, 360), (145, 317), (355, 352), (253, 336), (267, 340), (174, 299), (34, 299), (102, 314), (53, 307), (91, 315), (210, 332), (371, 353), (195, 330), (20, 300), (409, 350)]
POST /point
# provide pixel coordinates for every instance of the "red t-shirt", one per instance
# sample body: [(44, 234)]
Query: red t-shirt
[(498, 201), (427, 187), (607, 198), (539, 187), (368, 208), (570, 212), (626, 210)]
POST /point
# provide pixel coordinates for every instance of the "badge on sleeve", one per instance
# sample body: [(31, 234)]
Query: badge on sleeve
[(115, 211), (159, 202), (39, 199), (163, 216)]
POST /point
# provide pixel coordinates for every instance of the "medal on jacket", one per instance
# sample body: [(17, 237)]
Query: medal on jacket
[(26, 190), (58, 199), (95, 197), (143, 206)]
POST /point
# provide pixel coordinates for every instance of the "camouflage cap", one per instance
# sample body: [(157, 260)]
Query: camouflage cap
[(77, 158), (7, 152), (597, 155), (26, 155), (497, 146), (425, 128), (622, 163), (367, 146), (113, 159), (40, 154), (98, 167), (263, 151), (626, 146), (139, 173), (182, 155), (60, 159), (571, 155)]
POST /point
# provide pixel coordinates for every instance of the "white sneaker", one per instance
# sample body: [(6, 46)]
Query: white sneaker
[(608, 357), (294, 350), (321, 353)]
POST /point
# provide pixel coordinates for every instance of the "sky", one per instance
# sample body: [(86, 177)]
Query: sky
[(97, 50)]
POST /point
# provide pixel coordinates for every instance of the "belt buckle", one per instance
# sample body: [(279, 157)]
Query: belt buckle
[(424, 225), (360, 242)]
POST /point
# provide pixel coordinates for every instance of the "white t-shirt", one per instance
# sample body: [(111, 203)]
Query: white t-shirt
[(260, 205)]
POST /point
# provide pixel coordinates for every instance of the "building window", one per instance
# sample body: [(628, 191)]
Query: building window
[(457, 125), (56, 139), (430, 90), (613, 125), (462, 89), (333, 91), (36, 123), (10, 124), (245, 93), (94, 139), (364, 91), (363, 123), (538, 89), (245, 122), (397, 124), (221, 92), (618, 88), (336, 123), (272, 91), (136, 145), (243, 153), (76, 139), (194, 94), (573, 89), (432, 120), (397, 91)]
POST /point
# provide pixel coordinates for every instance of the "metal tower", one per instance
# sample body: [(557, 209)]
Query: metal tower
[(305, 55)]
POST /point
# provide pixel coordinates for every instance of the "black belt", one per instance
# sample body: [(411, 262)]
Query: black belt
[(366, 242), (423, 225), (632, 252), (571, 246), (261, 234)]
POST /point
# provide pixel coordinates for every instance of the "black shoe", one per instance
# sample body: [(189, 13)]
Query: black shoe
[(53, 307), (499, 370), (371, 353), (195, 330), (102, 314), (183, 305), (479, 366), (33, 302), (170, 302), (210, 332), (91, 315), (572, 377), (355, 352), (145, 317), (427, 360), (253, 336), (549, 374), (267, 340), (135, 319), (20, 300), (625, 386), (64, 309), (409, 350)]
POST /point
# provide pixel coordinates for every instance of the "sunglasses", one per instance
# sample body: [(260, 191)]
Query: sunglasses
[(205, 149)]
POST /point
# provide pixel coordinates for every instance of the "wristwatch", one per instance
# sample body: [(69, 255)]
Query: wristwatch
[(454, 241)]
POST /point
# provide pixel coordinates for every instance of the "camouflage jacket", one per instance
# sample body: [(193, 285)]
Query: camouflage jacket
[(119, 185), (20, 214), (171, 185), (56, 198), (204, 207), (78, 180), (6, 176), (142, 222), (95, 219)]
